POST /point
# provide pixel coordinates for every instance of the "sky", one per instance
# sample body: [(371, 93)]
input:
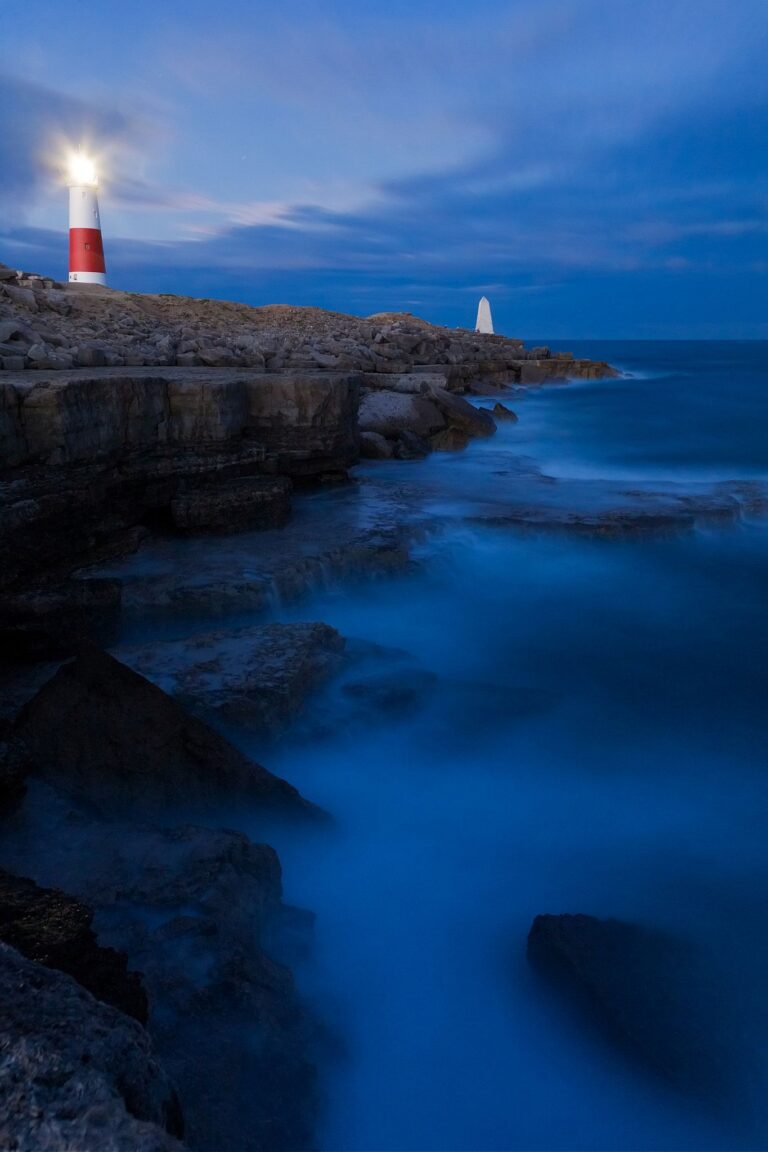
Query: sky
[(597, 168)]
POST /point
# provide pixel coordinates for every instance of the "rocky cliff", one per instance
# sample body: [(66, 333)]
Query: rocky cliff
[(89, 457), (45, 325), (120, 412)]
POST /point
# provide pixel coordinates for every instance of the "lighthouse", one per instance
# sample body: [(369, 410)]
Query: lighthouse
[(86, 251), (484, 322)]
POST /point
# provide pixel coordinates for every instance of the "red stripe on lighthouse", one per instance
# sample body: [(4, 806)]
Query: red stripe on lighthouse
[(86, 251)]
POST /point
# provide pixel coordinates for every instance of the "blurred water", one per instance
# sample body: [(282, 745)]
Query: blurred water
[(690, 409), (594, 741), (605, 753)]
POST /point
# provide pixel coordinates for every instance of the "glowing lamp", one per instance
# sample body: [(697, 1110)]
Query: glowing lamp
[(82, 170)]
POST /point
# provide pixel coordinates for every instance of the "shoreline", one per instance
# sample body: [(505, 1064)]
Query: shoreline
[(109, 458), (302, 676)]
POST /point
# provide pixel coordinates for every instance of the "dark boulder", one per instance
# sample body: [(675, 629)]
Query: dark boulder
[(459, 413), (500, 412), (99, 731), (451, 439), (410, 446), (54, 929), (374, 446), (650, 993), (50, 621), (76, 1073), (391, 413)]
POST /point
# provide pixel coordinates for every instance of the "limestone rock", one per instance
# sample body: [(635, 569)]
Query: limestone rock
[(256, 676), (13, 329), (414, 382), (216, 357), (96, 455), (233, 505), (91, 356), (324, 359), (188, 360), (76, 1073), (22, 297), (459, 413), (55, 929), (86, 415), (484, 387), (306, 418), (40, 355), (164, 330), (390, 413), (500, 412), (101, 732), (451, 439), (410, 446), (374, 447), (209, 409), (534, 372)]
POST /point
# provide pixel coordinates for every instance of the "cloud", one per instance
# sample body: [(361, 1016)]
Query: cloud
[(596, 146)]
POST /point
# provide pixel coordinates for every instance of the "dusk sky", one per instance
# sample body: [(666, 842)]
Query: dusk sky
[(598, 168)]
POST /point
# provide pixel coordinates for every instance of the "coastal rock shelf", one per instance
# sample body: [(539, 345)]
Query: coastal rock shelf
[(122, 413), (45, 325), (376, 528), (259, 677), (71, 417), (89, 457)]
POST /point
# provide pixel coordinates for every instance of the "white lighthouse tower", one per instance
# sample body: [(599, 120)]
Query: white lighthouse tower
[(484, 322), (86, 250)]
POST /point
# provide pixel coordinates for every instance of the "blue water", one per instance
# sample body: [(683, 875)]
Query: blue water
[(593, 739), (597, 743), (694, 409)]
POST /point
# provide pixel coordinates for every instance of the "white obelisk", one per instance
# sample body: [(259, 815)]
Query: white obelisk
[(484, 321)]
